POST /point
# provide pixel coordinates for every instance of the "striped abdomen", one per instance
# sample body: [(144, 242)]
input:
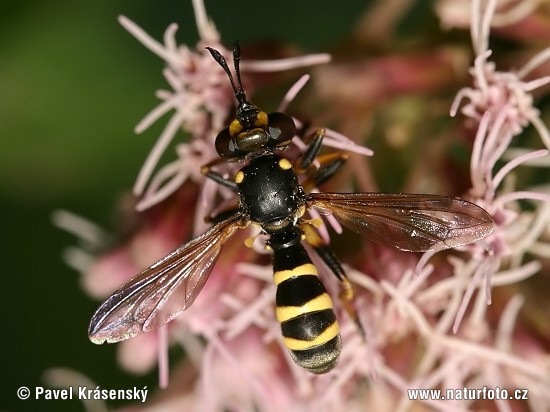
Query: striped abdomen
[(304, 309)]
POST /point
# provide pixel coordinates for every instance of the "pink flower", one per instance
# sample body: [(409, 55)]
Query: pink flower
[(421, 330), (502, 105), (457, 13)]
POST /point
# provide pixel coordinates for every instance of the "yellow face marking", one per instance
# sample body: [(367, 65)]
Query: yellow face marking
[(261, 120), (306, 269), (301, 210), (235, 128), (328, 334), (285, 164), (239, 177), (321, 302)]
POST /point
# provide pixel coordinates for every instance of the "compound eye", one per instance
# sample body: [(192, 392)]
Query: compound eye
[(281, 127), (225, 145)]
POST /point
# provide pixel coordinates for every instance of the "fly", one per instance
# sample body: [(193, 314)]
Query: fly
[(271, 196)]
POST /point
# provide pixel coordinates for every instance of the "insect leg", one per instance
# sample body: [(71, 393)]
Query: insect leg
[(330, 259), (330, 164), (217, 177), (312, 150)]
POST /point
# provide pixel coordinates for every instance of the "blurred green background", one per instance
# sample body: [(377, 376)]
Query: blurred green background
[(73, 84)]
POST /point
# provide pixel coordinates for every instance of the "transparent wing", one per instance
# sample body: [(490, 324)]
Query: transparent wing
[(162, 291), (410, 222)]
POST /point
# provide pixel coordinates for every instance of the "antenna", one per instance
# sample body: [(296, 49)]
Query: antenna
[(239, 92), (236, 63)]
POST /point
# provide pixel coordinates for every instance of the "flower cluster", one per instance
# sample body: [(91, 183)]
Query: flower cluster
[(429, 322)]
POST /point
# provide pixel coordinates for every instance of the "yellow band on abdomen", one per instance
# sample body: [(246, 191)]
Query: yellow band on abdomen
[(329, 333), (306, 269), (321, 302)]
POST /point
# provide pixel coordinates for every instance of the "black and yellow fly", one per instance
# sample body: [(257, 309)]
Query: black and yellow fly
[(271, 196)]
